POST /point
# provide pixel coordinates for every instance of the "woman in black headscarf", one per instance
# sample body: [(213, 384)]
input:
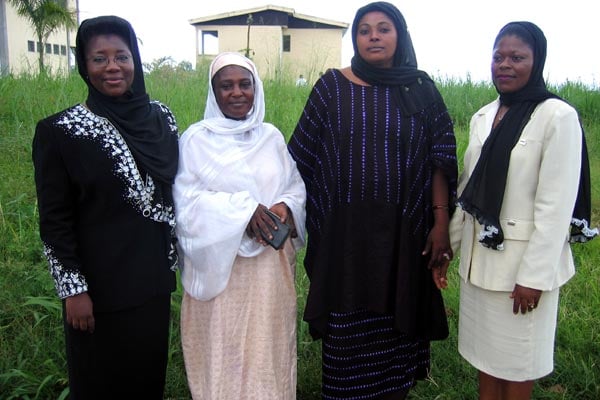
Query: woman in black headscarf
[(375, 146), (103, 173), (524, 194)]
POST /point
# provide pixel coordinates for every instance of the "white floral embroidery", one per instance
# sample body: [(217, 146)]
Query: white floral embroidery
[(68, 282), (80, 122)]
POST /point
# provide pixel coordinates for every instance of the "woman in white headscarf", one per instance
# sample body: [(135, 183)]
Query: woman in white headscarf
[(238, 316)]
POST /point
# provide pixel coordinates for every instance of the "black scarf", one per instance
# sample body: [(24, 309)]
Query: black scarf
[(412, 88), (142, 126), (484, 192)]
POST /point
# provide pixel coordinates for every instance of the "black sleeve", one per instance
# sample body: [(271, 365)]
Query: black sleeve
[(56, 205)]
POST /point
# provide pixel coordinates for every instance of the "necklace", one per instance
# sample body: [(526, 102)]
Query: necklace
[(500, 114)]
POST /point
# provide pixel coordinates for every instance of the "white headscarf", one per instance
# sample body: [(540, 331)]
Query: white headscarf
[(226, 168), (214, 119)]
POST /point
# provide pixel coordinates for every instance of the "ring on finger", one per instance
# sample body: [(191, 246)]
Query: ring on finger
[(446, 256)]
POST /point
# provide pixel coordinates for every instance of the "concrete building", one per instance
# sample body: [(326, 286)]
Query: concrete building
[(282, 43), (19, 45)]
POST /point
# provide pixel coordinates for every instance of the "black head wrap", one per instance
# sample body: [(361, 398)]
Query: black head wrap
[(413, 89), (483, 194), (142, 125)]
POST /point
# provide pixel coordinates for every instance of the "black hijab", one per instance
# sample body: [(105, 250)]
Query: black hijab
[(413, 89), (483, 194), (143, 126)]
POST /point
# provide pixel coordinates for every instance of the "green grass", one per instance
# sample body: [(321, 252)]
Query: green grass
[(32, 361)]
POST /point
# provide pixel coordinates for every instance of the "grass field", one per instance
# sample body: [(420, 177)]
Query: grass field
[(32, 361)]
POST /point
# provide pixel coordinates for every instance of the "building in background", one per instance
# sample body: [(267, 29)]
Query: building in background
[(282, 43), (19, 44)]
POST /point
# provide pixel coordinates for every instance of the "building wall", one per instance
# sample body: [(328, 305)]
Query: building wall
[(311, 50), (3, 40), (21, 59), (265, 45)]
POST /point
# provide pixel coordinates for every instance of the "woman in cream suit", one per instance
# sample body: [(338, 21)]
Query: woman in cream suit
[(523, 195)]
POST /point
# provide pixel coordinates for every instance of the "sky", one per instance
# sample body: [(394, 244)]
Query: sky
[(452, 38)]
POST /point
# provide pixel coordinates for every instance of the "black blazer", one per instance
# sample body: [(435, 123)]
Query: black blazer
[(104, 228)]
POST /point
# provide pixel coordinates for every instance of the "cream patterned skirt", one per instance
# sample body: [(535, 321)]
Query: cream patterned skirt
[(242, 344)]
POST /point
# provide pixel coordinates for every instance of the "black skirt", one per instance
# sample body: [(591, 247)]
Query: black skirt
[(125, 357)]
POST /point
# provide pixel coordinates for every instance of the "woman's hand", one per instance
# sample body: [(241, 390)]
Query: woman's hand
[(524, 298), (261, 224), (438, 240), (286, 216), (282, 210), (438, 244), (439, 275), (80, 312)]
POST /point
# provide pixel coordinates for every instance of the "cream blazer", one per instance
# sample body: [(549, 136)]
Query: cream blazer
[(540, 194)]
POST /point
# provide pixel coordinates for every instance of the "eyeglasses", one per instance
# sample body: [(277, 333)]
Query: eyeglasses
[(101, 61)]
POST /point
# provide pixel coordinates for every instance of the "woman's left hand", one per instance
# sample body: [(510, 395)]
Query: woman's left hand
[(525, 298), (282, 210), (285, 213), (439, 275), (438, 244), (261, 224)]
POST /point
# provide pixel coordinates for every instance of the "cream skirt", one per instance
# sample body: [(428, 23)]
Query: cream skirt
[(242, 344), (504, 345)]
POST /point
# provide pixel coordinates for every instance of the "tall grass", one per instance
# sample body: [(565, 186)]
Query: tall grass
[(32, 361)]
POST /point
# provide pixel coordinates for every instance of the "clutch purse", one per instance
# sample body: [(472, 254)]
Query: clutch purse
[(280, 235)]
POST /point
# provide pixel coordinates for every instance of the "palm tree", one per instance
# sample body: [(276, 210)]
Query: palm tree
[(46, 16)]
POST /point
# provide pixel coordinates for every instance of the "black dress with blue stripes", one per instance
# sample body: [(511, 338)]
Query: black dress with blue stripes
[(368, 172)]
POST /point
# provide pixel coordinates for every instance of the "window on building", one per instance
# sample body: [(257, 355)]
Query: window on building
[(209, 42), (286, 43), (48, 48), (63, 50), (56, 49), (31, 46)]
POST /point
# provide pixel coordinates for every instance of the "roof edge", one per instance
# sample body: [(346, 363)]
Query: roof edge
[(286, 10)]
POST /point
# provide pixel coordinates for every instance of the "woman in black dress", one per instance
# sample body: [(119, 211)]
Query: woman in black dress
[(376, 149), (103, 173)]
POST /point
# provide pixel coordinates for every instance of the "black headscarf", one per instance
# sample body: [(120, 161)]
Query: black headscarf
[(483, 194), (413, 89), (142, 125)]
